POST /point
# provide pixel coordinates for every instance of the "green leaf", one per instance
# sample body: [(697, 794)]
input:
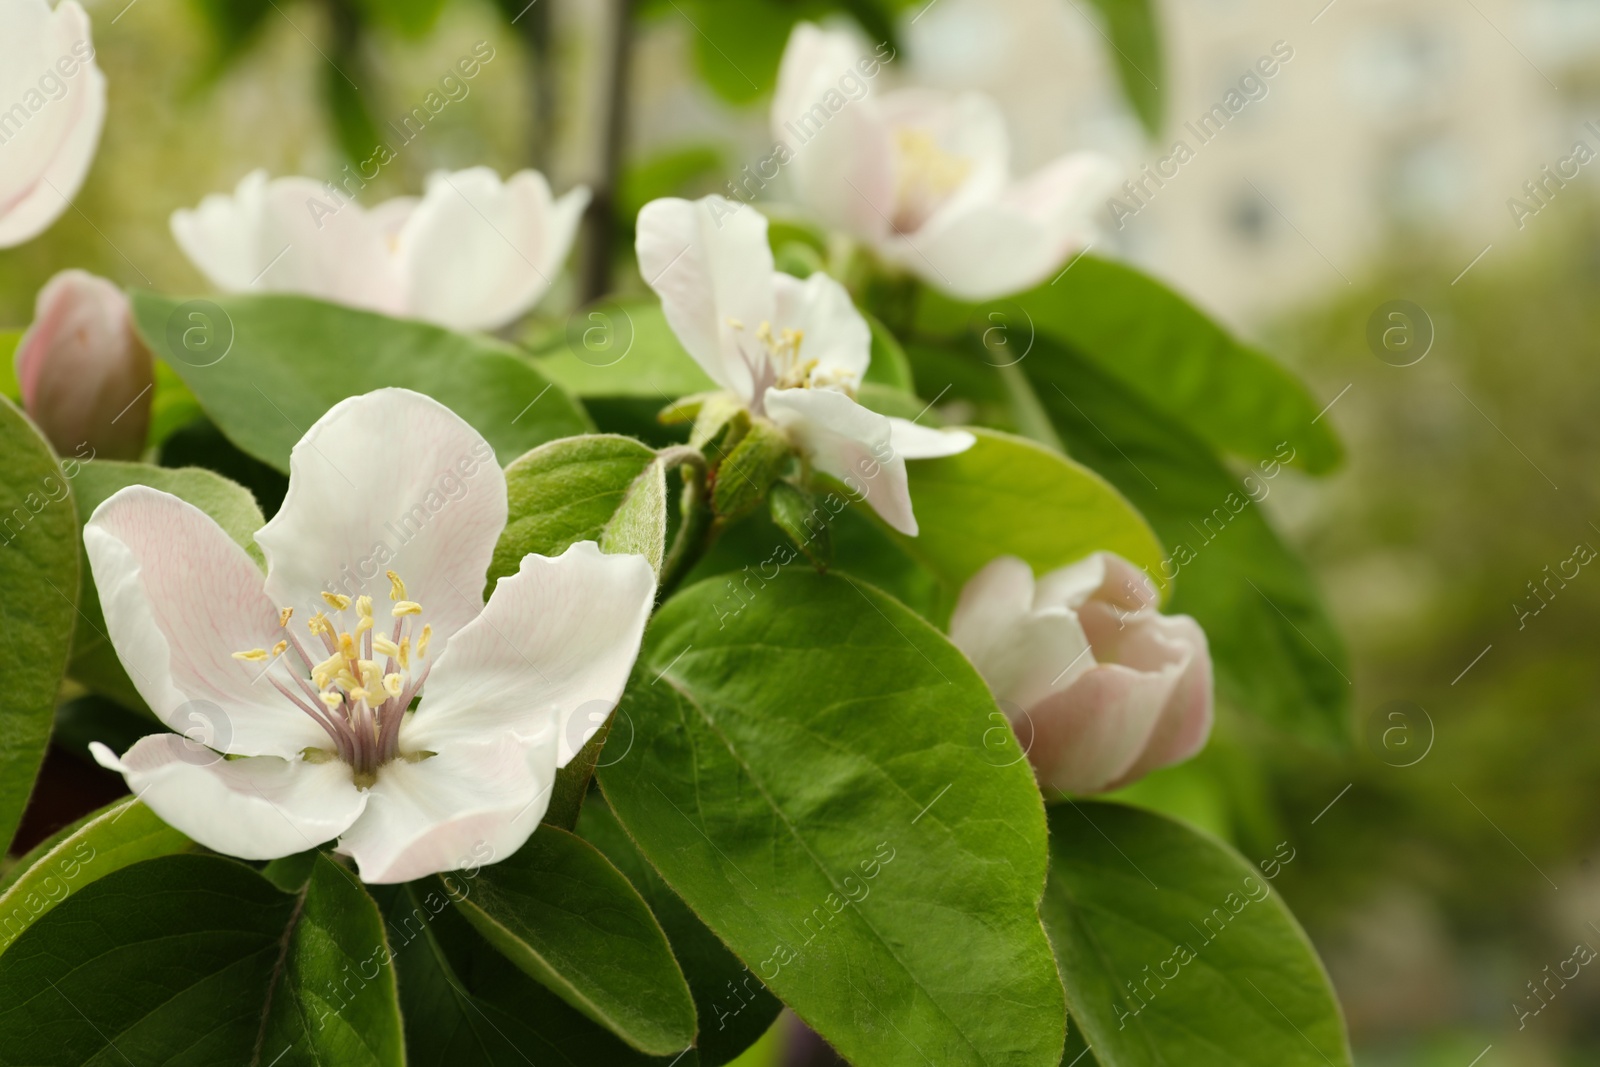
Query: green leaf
[(733, 1007), (621, 349), (465, 1005), (1010, 496), (674, 172), (94, 662), (1135, 38), (38, 594), (337, 1001), (1165, 350), (566, 917), (9, 339), (266, 367), (599, 487), (1276, 651), (882, 881), (166, 958), (889, 365), (108, 840), (412, 18), (1173, 949)]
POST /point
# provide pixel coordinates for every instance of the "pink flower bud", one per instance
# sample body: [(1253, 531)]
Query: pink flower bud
[(1101, 688), (85, 375)]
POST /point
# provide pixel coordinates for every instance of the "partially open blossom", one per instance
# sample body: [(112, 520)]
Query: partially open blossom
[(85, 376), (306, 677), (1101, 687), (472, 253), (791, 351), (52, 105), (923, 176)]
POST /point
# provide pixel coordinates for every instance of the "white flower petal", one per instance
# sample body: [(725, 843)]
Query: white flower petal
[(1186, 718), (560, 635), (466, 806), (256, 808), (50, 139), (965, 134), (993, 248), (179, 599), (709, 262), (836, 335), (842, 151), (290, 235), (853, 444), (1024, 653), (911, 441), (390, 480), (1086, 739), (476, 253)]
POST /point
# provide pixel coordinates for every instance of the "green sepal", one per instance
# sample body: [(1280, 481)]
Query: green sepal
[(791, 507), (745, 476)]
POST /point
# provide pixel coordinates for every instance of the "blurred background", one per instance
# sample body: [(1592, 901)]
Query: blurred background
[(1445, 861)]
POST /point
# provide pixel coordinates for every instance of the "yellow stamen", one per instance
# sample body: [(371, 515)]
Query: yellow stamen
[(363, 624), (333, 700), (405, 652), (283, 616), (394, 684), (358, 693), (397, 588), (255, 655), (277, 649), (385, 647), (407, 607), (422, 642), (347, 646), (319, 624), (337, 601)]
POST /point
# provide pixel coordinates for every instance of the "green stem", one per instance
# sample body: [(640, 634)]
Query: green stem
[(697, 530)]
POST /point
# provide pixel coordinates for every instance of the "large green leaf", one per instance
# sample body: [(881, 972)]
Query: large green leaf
[(266, 367), (1173, 949), (197, 959), (38, 597), (117, 835), (1134, 38), (337, 1000), (1009, 496), (621, 349), (1276, 650), (166, 958), (94, 662), (812, 779), (465, 1005), (733, 1007), (9, 388), (599, 487), (1164, 349), (565, 916)]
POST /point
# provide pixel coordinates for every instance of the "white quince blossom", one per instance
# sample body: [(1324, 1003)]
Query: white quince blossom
[(473, 253), (52, 105), (791, 351), (923, 175), (381, 549), (1104, 687)]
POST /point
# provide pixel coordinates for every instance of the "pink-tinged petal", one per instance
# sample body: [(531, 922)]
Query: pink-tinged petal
[(390, 480), (256, 808), (558, 636), (477, 253), (466, 806), (1086, 738), (1024, 652), (984, 249), (952, 153), (835, 334), (1185, 722), (1102, 577), (841, 152), (52, 121), (709, 262), (291, 235), (911, 441), (84, 374), (179, 599), (849, 442)]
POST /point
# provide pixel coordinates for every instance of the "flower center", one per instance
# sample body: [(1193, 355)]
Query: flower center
[(927, 175), (360, 692), (775, 363)]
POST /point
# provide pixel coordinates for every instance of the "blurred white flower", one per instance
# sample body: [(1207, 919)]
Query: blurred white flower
[(472, 253), (923, 175), (84, 374), (319, 730), (52, 105), (1107, 688), (791, 351)]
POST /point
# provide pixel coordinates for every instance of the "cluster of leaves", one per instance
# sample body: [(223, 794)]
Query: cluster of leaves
[(807, 796)]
